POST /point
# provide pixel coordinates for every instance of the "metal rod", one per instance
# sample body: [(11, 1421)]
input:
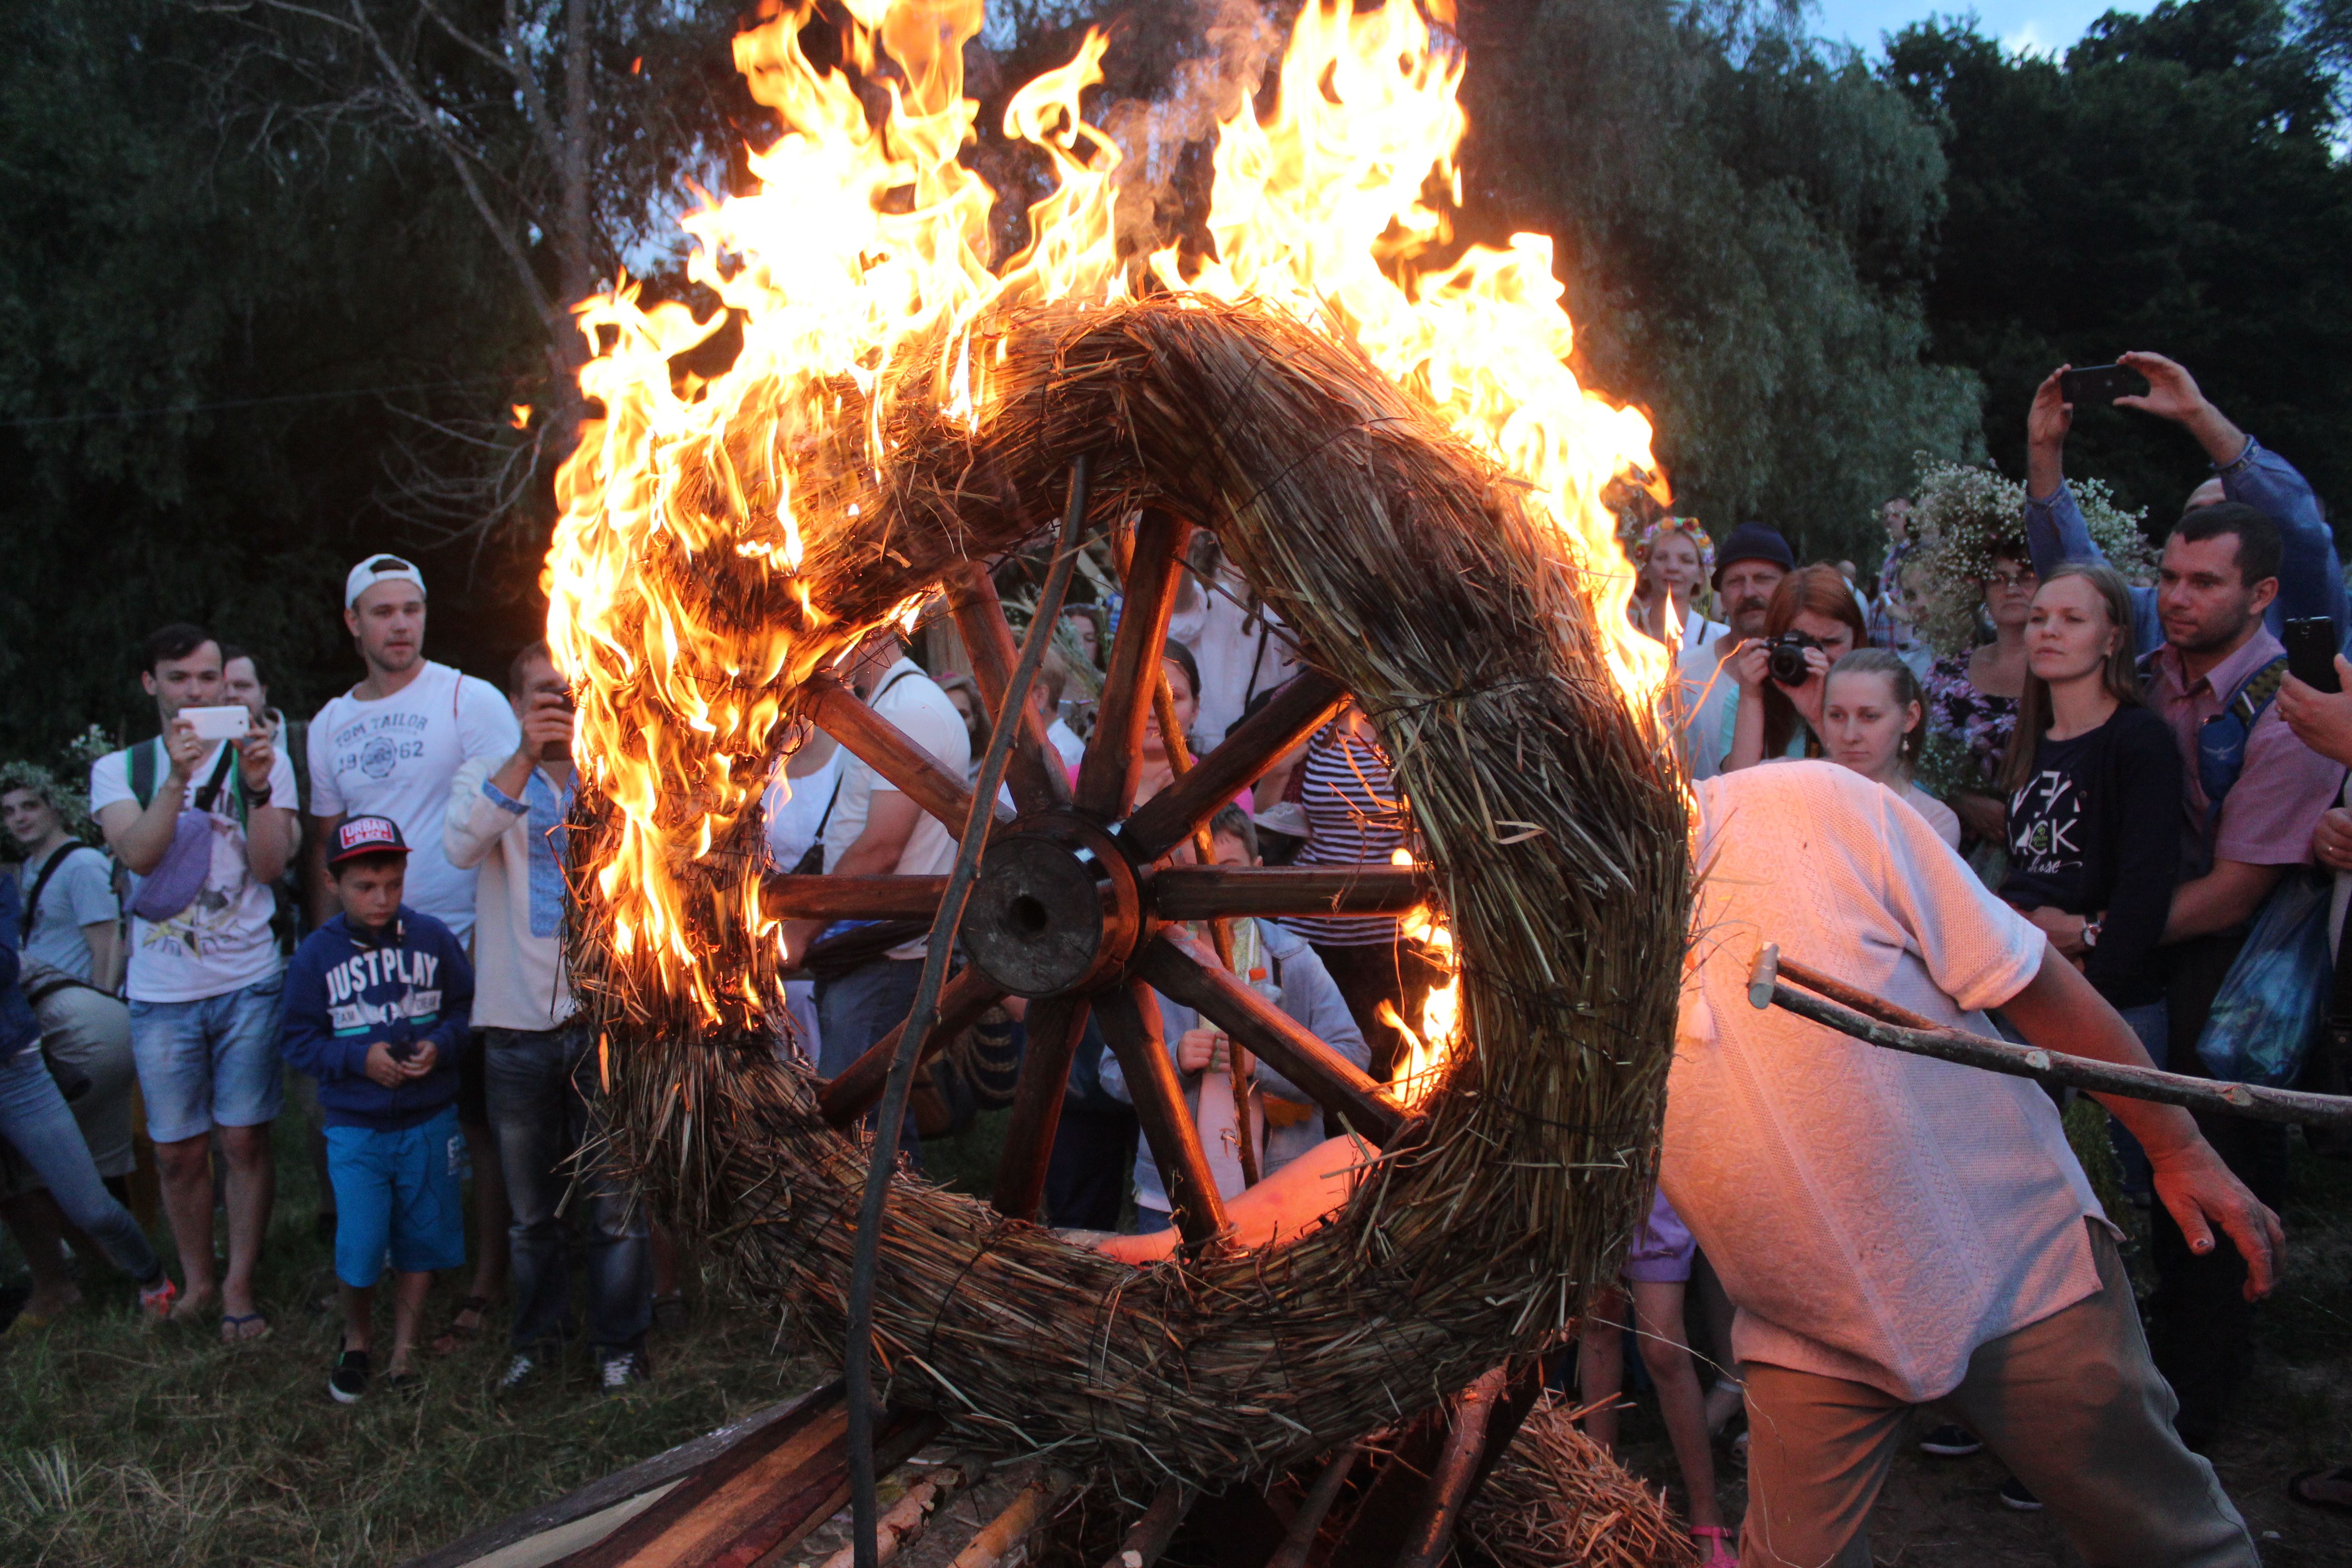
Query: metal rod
[(924, 1016), (2210, 1095)]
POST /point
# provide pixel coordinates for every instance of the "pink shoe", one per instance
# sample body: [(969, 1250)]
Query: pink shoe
[(1717, 1541), (155, 1305)]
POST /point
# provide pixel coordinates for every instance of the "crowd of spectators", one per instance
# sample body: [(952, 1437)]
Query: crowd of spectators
[(2137, 775)]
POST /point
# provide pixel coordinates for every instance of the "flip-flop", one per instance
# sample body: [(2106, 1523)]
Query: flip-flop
[(2341, 1473), (234, 1328)]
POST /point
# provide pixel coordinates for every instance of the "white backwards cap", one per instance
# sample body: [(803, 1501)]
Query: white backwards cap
[(379, 569)]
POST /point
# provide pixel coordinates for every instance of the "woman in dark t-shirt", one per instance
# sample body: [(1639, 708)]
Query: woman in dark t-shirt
[(2094, 784)]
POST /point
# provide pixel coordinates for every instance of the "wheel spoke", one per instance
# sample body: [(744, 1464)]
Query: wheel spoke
[(853, 1092), (1055, 1024), (1346, 1092), (1107, 777), (1038, 780), (1130, 1021), (884, 747), (1251, 747), (1207, 892), (785, 897)]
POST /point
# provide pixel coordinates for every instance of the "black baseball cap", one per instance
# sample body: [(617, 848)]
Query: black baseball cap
[(1753, 541), (358, 836)]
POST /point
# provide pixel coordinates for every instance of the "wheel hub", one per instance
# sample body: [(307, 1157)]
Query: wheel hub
[(1055, 908)]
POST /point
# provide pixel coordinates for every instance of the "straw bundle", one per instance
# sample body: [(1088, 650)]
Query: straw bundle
[(1550, 812), (1557, 1500)]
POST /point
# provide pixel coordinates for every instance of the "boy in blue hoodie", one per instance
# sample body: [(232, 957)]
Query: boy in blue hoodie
[(377, 1002)]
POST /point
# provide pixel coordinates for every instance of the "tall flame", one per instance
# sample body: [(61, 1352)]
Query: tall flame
[(866, 247)]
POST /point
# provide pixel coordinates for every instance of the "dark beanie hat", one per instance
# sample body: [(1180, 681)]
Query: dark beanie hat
[(1753, 541)]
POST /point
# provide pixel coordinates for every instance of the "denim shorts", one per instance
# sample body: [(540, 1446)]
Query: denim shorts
[(398, 1192), (211, 1063)]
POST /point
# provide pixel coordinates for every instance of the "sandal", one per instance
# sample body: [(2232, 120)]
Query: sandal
[(1716, 1539), (460, 1332), (2340, 1475), (238, 1329)]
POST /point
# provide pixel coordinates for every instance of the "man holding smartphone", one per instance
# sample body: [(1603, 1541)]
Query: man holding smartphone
[(205, 826), (506, 821)]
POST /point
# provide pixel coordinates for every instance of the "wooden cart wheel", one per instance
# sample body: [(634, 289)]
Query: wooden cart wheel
[(1077, 903)]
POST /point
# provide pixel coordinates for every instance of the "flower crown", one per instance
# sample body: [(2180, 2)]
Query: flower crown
[(1647, 538)]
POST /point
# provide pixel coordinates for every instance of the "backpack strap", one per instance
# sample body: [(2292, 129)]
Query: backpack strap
[(2222, 740), (141, 764), (26, 916)]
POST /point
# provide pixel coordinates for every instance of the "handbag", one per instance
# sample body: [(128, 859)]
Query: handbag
[(2274, 1000), (180, 875)]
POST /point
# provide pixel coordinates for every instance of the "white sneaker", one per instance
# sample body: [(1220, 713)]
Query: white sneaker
[(519, 1371), (623, 1370)]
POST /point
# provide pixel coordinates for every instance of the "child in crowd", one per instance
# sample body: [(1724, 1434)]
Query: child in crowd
[(1874, 722), (1657, 1272), (377, 1005)]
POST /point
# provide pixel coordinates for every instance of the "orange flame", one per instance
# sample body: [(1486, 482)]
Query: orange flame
[(1429, 1049), (866, 247)]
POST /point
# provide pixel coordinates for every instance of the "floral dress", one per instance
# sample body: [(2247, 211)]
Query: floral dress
[(1978, 722)]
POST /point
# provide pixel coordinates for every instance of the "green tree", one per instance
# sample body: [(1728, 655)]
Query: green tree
[(2170, 183), (1743, 221)]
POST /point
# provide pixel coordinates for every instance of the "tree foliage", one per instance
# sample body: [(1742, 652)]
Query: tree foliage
[(1744, 221), (2172, 183)]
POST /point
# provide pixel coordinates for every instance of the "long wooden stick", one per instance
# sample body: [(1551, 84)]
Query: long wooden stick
[(1766, 988), (1149, 1537)]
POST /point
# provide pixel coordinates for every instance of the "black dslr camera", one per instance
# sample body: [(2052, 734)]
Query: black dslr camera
[(1785, 657)]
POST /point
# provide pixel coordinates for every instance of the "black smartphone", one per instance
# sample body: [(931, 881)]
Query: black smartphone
[(2311, 652), (2101, 383)]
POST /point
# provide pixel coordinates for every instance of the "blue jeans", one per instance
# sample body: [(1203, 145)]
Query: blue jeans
[(538, 1083), (212, 1062), (856, 1009), (36, 1123)]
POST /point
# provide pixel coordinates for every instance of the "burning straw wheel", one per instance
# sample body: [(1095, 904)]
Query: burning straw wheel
[(1555, 833)]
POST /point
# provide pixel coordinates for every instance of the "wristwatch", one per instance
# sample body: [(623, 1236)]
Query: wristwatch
[(2091, 930)]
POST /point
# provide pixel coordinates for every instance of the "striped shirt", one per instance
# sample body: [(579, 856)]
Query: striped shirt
[(1356, 817)]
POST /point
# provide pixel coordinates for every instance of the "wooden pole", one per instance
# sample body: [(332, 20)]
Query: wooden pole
[(1150, 1536), (1766, 988)]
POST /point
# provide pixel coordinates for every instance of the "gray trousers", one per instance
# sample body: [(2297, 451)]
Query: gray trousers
[(2071, 1405)]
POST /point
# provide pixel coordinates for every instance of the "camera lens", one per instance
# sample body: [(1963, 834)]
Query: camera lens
[(1788, 664)]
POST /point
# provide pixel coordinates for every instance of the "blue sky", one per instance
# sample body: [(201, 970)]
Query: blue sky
[(2042, 23)]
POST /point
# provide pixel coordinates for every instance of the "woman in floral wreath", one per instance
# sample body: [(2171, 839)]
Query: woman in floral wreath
[(1978, 561), (1672, 560)]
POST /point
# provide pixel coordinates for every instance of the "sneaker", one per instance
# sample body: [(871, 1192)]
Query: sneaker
[(2014, 1495), (348, 1380), (522, 1370), (156, 1302), (619, 1372), (1951, 1442)]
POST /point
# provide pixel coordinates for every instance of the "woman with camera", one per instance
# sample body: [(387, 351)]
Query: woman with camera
[(1813, 622)]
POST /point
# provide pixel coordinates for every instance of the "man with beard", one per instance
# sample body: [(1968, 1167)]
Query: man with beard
[(1748, 566)]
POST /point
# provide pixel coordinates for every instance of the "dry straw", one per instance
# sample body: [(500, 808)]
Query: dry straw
[(1557, 1500), (1551, 814)]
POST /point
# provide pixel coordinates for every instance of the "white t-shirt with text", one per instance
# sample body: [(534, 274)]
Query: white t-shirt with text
[(396, 757), (222, 941), (914, 703)]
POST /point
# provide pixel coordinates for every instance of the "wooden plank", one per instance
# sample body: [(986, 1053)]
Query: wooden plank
[(785, 897), (1106, 777), (1056, 1026), (857, 1088), (1249, 748), (1179, 967), (660, 1470), (885, 748), (1209, 892), (1036, 775), (1130, 1021)]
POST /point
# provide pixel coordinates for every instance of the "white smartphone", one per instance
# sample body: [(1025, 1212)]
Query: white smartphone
[(230, 721)]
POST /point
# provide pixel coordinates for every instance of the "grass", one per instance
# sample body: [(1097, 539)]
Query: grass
[(125, 1445)]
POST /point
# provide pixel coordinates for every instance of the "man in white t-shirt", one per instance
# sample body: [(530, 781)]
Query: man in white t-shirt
[(1896, 1230), (877, 831), (72, 921), (391, 746), (214, 821)]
